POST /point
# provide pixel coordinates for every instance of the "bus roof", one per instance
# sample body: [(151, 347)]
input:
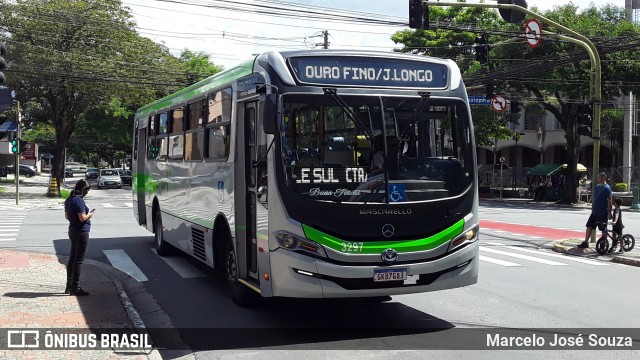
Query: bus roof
[(202, 86)]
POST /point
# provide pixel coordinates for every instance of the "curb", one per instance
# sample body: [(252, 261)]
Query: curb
[(616, 259), (148, 306)]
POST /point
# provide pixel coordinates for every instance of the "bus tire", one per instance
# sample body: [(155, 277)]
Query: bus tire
[(162, 247), (240, 294)]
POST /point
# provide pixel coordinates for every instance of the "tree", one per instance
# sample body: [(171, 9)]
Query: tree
[(557, 72), (197, 65), (70, 56)]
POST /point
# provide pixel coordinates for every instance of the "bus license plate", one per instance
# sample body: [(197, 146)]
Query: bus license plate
[(389, 275)]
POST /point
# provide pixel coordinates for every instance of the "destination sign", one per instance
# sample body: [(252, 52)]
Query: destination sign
[(357, 71), (330, 175)]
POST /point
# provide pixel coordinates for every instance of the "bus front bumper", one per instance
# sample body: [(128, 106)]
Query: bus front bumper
[(297, 275)]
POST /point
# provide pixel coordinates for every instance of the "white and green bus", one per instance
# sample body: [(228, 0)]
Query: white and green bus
[(316, 174)]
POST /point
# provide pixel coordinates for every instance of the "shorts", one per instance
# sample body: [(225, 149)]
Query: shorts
[(591, 223), (618, 229)]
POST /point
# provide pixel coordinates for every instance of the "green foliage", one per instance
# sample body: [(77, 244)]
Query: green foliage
[(619, 187)]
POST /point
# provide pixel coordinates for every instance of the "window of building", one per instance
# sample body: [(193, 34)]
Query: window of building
[(220, 106)]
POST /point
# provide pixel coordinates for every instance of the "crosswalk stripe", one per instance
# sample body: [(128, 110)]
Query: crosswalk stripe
[(128, 204), (121, 261), (9, 234), (107, 205), (498, 261), (8, 239), (545, 253), (181, 266), (520, 256), (564, 257)]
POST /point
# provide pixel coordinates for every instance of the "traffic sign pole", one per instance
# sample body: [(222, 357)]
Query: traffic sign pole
[(17, 162)]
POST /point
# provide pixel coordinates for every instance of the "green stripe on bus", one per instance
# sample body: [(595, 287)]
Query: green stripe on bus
[(198, 88), (376, 247), (144, 183)]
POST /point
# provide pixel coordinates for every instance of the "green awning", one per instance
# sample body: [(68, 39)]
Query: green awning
[(544, 169)]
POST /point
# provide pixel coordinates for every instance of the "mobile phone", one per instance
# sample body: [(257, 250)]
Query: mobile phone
[(92, 210)]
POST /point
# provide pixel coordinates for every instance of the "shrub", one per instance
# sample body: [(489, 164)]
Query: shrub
[(618, 187)]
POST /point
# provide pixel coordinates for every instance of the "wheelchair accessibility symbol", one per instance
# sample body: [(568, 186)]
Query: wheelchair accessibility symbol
[(396, 193)]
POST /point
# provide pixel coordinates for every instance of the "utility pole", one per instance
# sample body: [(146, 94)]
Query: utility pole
[(325, 45), (17, 154)]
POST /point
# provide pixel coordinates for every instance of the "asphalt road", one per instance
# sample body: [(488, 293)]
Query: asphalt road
[(520, 287)]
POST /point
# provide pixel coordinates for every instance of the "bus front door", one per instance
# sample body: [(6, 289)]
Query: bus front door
[(251, 177)]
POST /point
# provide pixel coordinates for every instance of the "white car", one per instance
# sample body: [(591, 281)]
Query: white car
[(109, 178)]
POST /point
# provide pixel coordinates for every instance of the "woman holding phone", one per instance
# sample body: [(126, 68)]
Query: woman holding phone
[(79, 217)]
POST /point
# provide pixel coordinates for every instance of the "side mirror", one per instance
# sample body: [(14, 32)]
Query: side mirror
[(270, 113)]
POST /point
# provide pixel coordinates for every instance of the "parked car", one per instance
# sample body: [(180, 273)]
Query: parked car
[(92, 173), (109, 178), (125, 176), (25, 170), (68, 172)]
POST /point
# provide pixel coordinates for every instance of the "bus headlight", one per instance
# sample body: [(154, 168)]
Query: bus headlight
[(288, 241), (470, 235), (293, 243)]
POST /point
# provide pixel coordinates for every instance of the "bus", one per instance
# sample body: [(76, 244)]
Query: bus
[(315, 174)]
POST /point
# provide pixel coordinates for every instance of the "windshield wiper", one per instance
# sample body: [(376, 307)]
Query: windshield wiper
[(343, 105), (406, 133)]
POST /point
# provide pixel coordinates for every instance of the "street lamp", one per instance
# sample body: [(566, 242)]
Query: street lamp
[(516, 137)]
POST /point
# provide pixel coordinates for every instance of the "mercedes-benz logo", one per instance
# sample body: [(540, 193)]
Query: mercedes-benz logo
[(388, 230), (389, 256)]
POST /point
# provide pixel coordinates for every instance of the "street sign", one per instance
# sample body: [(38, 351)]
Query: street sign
[(533, 32), (502, 159), (479, 100), (499, 103)]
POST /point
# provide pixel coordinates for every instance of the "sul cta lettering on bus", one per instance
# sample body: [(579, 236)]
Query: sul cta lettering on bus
[(327, 175), (356, 73)]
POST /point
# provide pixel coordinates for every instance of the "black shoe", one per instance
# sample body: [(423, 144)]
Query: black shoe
[(78, 292), (583, 245)]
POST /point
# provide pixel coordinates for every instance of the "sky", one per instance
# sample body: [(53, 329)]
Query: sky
[(230, 36)]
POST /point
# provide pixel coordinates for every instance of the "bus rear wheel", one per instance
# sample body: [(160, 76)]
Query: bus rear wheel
[(162, 247), (240, 294)]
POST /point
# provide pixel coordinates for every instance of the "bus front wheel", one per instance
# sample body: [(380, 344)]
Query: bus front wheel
[(240, 294), (162, 247)]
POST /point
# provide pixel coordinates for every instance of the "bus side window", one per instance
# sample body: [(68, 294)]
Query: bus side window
[(176, 140), (194, 134)]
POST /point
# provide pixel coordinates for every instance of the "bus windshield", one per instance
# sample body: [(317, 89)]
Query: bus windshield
[(372, 149)]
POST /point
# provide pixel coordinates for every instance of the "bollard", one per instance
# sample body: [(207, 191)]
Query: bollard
[(53, 187), (636, 198)]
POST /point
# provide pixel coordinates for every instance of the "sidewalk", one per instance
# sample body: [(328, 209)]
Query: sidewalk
[(32, 291), (32, 193)]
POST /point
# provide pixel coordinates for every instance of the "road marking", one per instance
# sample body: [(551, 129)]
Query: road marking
[(128, 205), (180, 265), (107, 205), (564, 257), (121, 261), (540, 252), (498, 261), (524, 257), (13, 233)]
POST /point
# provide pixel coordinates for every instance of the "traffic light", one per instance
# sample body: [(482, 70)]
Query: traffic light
[(514, 107), (23, 146), (418, 15), (584, 125), (490, 90), (15, 148), (3, 63), (482, 49)]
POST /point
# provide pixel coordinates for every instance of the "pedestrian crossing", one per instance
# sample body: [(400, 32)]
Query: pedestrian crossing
[(117, 205), (10, 223), (530, 255)]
